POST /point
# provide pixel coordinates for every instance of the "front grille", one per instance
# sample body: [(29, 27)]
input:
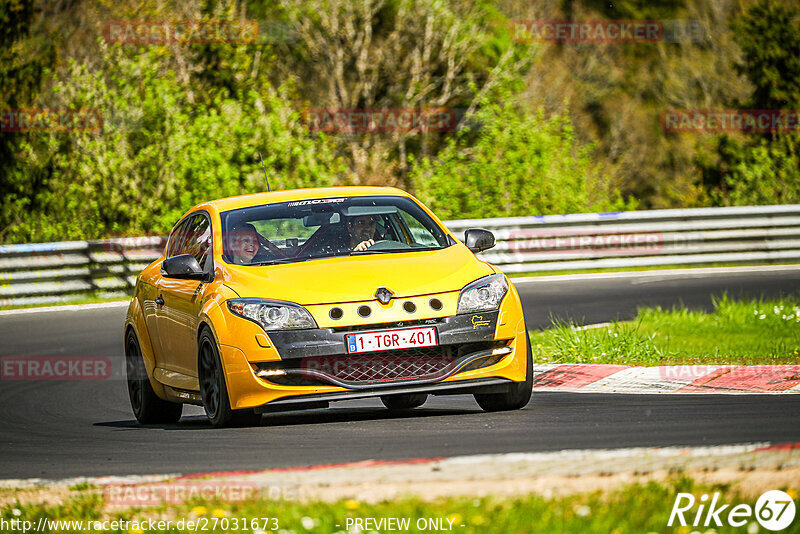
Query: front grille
[(381, 367), (423, 363)]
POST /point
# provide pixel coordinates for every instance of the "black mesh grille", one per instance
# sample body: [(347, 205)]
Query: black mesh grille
[(384, 367)]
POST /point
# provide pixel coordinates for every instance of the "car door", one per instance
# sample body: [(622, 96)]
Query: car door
[(182, 300), (151, 299)]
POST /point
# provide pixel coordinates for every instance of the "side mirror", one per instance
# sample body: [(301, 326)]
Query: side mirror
[(478, 239), (183, 266)]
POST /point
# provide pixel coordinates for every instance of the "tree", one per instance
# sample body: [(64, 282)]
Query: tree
[(761, 168), (25, 57), (769, 36), (512, 163), (406, 54), (158, 153)]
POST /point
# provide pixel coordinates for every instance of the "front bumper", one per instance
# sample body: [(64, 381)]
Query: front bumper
[(467, 345), (246, 390)]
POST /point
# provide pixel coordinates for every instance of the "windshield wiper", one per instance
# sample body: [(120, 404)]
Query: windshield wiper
[(381, 251)]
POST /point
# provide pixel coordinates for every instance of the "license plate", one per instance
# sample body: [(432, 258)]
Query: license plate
[(406, 338)]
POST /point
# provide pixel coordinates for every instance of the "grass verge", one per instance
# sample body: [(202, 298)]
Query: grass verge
[(742, 333), (634, 508)]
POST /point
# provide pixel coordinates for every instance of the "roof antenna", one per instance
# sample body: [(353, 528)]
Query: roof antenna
[(269, 189)]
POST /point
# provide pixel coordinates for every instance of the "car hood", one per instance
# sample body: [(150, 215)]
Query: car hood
[(355, 278)]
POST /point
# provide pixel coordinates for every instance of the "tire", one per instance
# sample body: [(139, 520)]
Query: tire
[(214, 391), (518, 394), (147, 406), (407, 401)]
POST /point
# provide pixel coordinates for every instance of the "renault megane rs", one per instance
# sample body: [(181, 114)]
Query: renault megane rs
[(294, 299)]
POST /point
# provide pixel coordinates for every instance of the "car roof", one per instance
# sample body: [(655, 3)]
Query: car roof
[(257, 199)]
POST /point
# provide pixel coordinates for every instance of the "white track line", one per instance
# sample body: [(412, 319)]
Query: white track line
[(67, 307), (591, 326), (700, 271)]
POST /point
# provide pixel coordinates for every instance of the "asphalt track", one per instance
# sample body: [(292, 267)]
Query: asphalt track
[(61, 429)]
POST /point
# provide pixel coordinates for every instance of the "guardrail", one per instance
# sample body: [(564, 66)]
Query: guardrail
[(41, 273), (759, 234), (53, 272)]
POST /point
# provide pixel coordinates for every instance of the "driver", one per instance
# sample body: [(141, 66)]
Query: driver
[(362, 232)]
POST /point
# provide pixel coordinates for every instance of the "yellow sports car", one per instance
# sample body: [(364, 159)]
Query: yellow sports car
[(289, 300)]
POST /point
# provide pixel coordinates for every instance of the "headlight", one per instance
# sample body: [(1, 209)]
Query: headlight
[(483, 294), (273, 315)]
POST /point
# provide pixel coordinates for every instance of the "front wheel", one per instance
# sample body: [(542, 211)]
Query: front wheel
[(147, 406), (518, 394), (214, 391)]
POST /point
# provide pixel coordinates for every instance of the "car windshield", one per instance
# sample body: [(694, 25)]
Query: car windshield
[(326, 227)]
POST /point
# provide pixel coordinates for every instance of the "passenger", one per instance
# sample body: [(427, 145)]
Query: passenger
[(247, 246), (243, 242)]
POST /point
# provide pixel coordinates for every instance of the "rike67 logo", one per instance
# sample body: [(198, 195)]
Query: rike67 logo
[(774, 510)]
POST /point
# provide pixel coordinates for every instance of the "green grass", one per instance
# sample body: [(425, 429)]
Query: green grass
[(747, 333), (633, 508)]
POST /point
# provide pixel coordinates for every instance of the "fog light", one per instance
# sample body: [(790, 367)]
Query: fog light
[(501, 351), (264, 373)]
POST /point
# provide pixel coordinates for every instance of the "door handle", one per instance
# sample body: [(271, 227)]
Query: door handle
[(159, 301)]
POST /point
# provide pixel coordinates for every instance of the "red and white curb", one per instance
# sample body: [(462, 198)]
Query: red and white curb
[(606, 378)]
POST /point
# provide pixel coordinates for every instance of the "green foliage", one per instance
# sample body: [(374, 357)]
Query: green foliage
[(158, 153), (764, 172), (511, 163), (25, 56), (769, 36), (761, 168)]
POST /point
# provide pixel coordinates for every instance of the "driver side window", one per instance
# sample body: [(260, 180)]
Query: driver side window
[(192, 236), (198, 238), (177, 239)]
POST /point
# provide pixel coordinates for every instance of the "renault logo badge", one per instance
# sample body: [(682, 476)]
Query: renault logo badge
[(384, 295)]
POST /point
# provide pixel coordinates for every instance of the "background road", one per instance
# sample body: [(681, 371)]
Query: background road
[(56, 429)]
